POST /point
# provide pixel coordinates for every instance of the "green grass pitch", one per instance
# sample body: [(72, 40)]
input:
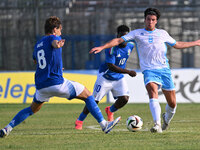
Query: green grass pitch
[(52, 128)]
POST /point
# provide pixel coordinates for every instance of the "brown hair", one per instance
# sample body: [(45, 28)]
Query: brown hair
[(51, 23)]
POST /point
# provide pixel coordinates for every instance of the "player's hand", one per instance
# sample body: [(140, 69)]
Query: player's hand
[(132, 73), (58, 44), (198, 42), (96, 50), (61, 43)]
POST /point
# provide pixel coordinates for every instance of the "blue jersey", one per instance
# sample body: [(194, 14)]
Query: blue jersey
[(117, 56), (49, 62)]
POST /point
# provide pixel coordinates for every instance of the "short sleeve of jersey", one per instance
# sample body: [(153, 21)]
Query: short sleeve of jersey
[(129, 37), (131, 46), (168, 39), (110, 55)]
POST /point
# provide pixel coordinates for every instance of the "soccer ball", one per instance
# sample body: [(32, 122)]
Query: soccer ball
[(134, 123)]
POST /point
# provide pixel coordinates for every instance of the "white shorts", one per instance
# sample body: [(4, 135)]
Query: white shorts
[(68, 89), (103, 86)]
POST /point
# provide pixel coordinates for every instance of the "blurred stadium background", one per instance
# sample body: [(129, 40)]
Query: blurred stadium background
[(89, 23)]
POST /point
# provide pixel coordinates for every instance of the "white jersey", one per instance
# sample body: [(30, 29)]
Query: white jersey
[(151, 47)]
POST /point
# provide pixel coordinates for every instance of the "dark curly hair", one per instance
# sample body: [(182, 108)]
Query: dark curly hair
[(51, 23), (123, 28), (152, 11)]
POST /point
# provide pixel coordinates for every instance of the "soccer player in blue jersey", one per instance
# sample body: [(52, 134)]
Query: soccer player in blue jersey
[(111, 78), (49, 80), (151, 46)]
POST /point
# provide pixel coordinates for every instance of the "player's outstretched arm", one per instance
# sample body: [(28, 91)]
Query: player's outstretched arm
[(58, 44), (112, 43), (117, 69), (181, 45)]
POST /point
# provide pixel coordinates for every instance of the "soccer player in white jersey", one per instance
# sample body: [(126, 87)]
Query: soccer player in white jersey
[(151, 46), (49, 80), (111, 78)]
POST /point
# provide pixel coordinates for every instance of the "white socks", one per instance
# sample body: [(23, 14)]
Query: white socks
[(9, 128), (169, 113), (103, 124), (155, 110)]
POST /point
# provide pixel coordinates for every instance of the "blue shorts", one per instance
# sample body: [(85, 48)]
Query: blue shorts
[(162, 77)]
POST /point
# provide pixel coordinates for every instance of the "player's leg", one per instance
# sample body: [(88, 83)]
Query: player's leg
[(152, 80), (98, 92), (86, 111), (119, 103), (81, 118), (86, 95), (170, 108), (152, 89), (20, 117), (120, 91), (170, 95), (39, 98), (70, 89), (96, 112)]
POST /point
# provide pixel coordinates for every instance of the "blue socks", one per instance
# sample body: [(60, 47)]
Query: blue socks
[(82, 116), (21, 116), (113, 108), (94, 109)]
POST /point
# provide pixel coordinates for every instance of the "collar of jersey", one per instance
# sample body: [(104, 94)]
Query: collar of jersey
[(150, 31)]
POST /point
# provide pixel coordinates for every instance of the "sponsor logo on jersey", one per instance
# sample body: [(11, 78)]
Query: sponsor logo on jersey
[(118, 55)]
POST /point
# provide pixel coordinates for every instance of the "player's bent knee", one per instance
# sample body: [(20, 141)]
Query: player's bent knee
[(121, 101), (84, 94), (125, 99), (87, 92)]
